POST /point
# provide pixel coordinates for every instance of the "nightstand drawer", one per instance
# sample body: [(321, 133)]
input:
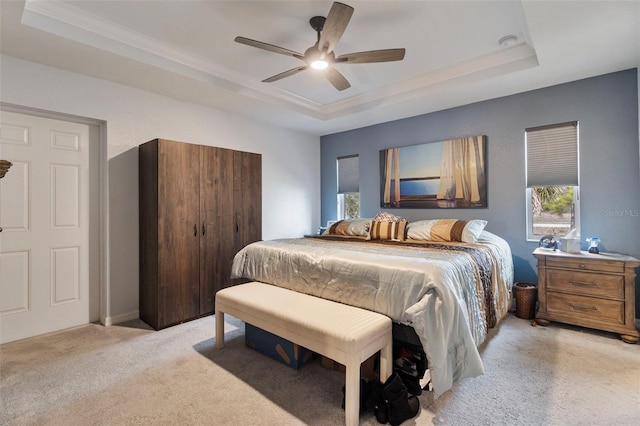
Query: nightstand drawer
[(611, 311), (585, 265), (585, 283)]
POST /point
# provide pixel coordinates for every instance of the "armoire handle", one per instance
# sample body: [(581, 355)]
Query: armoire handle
[(195, 229), (237, 228), (204, 229)]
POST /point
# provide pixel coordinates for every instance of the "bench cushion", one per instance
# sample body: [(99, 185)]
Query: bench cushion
[(321, 325)]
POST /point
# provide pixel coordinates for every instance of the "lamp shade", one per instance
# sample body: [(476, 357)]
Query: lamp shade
[(4, 167)]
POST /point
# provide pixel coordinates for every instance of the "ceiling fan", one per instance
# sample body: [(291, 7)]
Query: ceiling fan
[(321, 56)]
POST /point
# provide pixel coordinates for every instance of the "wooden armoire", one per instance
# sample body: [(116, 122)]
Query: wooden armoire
[(199, 205)]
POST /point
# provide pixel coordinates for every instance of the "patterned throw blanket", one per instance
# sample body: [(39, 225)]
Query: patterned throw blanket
[(483, 263), (481, 256)]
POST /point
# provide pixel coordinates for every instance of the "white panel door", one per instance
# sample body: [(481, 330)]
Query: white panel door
[(44, 215)]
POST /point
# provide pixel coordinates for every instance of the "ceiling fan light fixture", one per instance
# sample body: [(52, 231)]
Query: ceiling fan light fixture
[(319, 64), (317, 59)]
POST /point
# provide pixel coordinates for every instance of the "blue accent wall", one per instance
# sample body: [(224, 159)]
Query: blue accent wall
[(606, 108)]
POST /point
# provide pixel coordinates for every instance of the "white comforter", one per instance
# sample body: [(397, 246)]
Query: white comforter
[(437, 292)]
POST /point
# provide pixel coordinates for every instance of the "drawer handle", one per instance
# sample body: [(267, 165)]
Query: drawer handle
[(582, 266), (582, 307), (582, 283)]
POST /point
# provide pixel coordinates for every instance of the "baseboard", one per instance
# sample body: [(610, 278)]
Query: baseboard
[(107, 321)]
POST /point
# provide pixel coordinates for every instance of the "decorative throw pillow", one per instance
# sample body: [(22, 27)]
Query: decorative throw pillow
[(446, 230), (358, 228), (394, 231), (388, 217)]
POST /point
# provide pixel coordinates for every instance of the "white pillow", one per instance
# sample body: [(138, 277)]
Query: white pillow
[(472, 230)]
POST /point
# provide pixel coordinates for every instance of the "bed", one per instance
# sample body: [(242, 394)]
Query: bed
[(450, 290)]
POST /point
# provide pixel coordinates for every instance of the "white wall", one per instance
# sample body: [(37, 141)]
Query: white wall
[(290, 160)]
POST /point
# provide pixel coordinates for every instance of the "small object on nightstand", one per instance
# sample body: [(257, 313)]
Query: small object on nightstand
[(548, 242), (593, 244), (570, 242)]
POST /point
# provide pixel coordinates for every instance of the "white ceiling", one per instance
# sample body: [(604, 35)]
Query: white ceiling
[(185, 49)]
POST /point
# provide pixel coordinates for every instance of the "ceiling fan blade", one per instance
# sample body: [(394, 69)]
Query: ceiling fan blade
[(334, 26), (384, 55), (282, 75), (269, 47), (337, 79)]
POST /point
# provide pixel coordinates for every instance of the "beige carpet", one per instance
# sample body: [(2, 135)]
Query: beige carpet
[(131, 375)]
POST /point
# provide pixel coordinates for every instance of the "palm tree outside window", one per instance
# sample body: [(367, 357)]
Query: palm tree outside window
[(553, 191)]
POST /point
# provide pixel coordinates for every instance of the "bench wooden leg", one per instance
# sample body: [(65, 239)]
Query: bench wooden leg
[(386, 362), (352, 393), (352, 384), (219, 329)]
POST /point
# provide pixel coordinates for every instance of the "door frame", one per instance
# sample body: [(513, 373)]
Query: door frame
[(97, 137)]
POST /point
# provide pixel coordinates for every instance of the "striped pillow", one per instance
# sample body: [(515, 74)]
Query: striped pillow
[(446, 230), (394, 231), (357, 228)]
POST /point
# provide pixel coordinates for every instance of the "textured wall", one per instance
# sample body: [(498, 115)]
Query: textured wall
[(607, 110)]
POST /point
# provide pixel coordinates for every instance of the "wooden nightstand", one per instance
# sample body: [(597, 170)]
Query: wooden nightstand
[(589, 290)]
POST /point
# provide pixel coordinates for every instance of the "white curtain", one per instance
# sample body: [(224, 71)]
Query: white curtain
[(392, 172), (462, 174)]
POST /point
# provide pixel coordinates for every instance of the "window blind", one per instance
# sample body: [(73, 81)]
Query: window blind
[(348, 174), (552, 155)]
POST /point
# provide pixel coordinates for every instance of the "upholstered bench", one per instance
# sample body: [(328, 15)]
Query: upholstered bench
[(344, 333)]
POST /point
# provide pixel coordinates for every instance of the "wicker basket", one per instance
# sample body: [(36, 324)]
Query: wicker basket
[(526, 298)]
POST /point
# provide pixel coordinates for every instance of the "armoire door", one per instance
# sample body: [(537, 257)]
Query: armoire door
[(216, 212), (247, 198), (179, 230)]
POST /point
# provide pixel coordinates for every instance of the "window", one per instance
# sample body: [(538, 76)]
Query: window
[(349, 187), (553, 191)]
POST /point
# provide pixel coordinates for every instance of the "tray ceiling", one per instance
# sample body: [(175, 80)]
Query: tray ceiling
[(186, 50)]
